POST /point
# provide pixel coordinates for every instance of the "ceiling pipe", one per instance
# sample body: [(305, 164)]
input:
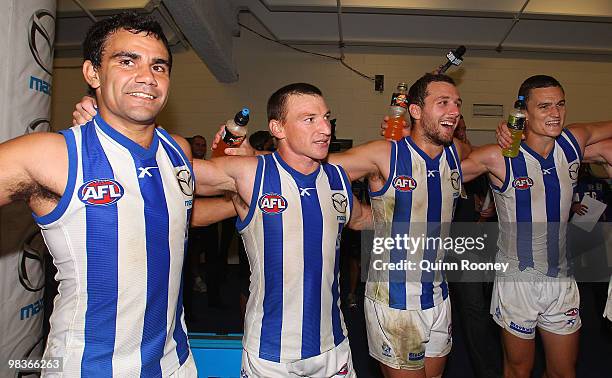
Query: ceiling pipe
[(87, 12), (517, 18)]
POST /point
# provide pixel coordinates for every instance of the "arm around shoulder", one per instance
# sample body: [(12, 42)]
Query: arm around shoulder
[(484, 159), (364, 159)]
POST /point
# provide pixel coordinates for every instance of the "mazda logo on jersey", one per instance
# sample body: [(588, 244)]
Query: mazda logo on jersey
[(272, 203), (41, 36), (31, 267), (100, 192), (39, 124), (522, 183), (573, 170), (455, 180), (339, 201), (404, 183), (185, 181)]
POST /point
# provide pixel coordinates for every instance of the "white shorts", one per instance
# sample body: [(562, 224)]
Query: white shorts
[(401, 339), (527, 300), (187, 370), (336, 362), (608, 310)]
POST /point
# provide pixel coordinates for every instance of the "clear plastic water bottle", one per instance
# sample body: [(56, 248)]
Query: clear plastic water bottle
[(516, 124), (234, 132)]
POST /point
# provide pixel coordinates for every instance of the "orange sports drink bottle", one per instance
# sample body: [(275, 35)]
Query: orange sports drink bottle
[(399, 104), (234, 132)]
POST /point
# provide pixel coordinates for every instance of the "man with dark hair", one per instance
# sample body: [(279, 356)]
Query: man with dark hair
[(97, 36), (113, 198), (533, 195), (538, 81), (262, 140), (291, 208), (414, 184)]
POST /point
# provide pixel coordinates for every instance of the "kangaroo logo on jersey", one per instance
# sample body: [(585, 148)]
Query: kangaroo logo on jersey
[(272, 203), (522, 183), (386, 349), (100, 192), (404, 183)]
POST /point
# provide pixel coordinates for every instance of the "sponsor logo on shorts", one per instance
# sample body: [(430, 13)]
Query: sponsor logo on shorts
[(272, 203), (243, 374), (450, 334), (572, 312), (386, 350), (404, 183), (416, 356), (343, 371), (521, 329), (498, 312), (571, 322), (522, 183), (100, 192)]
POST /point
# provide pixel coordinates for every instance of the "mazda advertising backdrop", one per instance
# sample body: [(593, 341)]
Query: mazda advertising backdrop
[(26, 68)]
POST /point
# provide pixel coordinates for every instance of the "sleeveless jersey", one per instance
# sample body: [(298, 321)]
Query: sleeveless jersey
[(291, 235), (533, 206), (418, 199), (117, 237)]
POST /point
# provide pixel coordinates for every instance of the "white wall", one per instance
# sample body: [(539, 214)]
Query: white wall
[(198, 104)]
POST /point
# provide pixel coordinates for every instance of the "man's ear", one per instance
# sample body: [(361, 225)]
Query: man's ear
[(415, 111), (276, 129), (91, 74)]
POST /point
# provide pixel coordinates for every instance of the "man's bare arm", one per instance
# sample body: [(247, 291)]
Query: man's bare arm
[(211, 210), (361, 216), (484, 159), (360, 161), (591, 133), (600, 152), (34, 168)]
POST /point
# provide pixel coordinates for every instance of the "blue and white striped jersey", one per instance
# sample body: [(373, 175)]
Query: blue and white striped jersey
[(291, 235), (117, 237), (533, 207), (418, 200)]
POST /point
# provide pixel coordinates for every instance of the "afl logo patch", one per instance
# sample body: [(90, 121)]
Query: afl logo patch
[(272, 203), (522, 183), (100, 192), (404, 183)]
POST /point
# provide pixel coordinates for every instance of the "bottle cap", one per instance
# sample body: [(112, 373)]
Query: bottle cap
[(242, 117)]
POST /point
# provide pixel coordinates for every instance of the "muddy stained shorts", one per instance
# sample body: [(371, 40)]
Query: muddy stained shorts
[(528, 300), (401, 339)]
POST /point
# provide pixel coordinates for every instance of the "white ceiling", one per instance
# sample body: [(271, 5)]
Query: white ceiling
[(582, 28)]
